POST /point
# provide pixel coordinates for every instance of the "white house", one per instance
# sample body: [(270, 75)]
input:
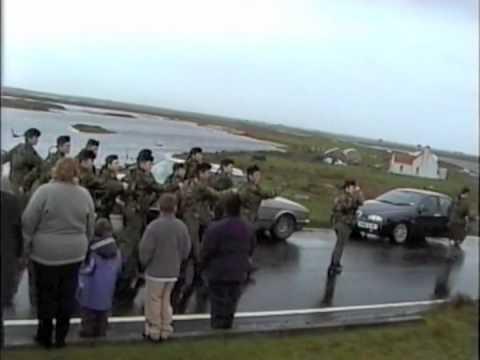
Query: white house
[(422, 163)]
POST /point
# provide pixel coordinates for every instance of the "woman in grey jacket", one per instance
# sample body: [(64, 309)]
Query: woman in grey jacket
[(57, 225)]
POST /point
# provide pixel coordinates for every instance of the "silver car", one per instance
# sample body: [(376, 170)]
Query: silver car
[(279, 216)]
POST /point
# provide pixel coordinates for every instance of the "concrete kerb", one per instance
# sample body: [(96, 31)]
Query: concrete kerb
[(369, 320), (316, 329)]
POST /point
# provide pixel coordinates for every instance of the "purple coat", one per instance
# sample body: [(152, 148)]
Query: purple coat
[(98, 276)]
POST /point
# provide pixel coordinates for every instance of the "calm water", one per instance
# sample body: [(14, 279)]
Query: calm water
[(144, 131)]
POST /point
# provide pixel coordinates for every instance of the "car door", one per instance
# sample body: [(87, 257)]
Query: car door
[(442, 225), (429, 214)]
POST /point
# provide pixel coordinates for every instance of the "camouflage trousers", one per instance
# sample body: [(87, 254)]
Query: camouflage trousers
[(343, 232)]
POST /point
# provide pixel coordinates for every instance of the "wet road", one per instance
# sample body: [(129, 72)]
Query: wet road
[(292, 275)]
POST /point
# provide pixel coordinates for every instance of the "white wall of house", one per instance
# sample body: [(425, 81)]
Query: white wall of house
[(425, 165)]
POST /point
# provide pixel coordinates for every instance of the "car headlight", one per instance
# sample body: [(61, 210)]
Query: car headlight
[(376, 218)]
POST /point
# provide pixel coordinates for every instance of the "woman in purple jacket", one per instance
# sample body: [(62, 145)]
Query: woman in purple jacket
[(97, 279)]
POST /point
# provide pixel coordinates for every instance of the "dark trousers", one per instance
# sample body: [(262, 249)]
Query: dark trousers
[(56, 287), (343, 232), (224, 298), (94, 323)]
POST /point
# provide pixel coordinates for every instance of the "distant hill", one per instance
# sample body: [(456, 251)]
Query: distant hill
[(207, 119)]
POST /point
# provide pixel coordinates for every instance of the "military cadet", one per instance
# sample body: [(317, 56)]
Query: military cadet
[(223, 178), (25, 163), (252, 194), (195, 157), (112, 187), (63, 149), (92, 145), (222, 181), (459, 216), (177, 176), (343, 218), (198, 199), (87, 177), (142, 193)]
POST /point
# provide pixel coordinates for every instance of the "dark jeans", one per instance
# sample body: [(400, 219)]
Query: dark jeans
[(56, 287), (94, 323), (224, 298)]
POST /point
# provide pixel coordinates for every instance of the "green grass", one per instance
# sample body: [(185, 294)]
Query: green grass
[(449, 333), (299, 172)]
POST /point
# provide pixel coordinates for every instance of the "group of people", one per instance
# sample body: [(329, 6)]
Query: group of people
[(61, 210)]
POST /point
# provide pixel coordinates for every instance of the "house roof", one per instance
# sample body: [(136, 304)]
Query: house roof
[(404, 158)]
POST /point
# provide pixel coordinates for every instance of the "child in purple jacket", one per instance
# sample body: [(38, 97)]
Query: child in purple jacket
[(97, 280)]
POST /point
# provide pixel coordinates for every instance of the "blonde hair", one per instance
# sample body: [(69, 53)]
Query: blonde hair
[(66, 170)]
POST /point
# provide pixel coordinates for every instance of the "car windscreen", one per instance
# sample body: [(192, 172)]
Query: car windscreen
[(401, 198), (162, 169)]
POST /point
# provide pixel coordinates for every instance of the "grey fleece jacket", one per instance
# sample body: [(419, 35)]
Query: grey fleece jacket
[(58, 224), (165, 244)]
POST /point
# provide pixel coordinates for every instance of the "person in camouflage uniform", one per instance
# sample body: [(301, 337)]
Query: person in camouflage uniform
[(177, 178), (343, 218), (459, 216), (45, 173), (25, 164), (142, 193), (87, 177), (252, 194), (195, 157), (92, 145), (112, 187), (198, 199), (222, 181)]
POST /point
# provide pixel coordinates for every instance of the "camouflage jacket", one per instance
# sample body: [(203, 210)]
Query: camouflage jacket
[(460, 211), (48, 165), (143, 190), (198, 200), (345, 207), (222, 181), (190, 168), (111, 188), (25, 164), (251, 196), (91, 182)]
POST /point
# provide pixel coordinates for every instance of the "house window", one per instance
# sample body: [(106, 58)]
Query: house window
[(401, 168), (417, 170)]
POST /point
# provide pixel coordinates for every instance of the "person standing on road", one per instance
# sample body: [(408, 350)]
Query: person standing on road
[(112, 187), (97, 279), (92, 145), (459, 216), (164, 246), (58, 224), (225, 257), (223, 180), (252, 194), (87, 177), (195, 158), (343, 217), (25, 164), (12, 249)]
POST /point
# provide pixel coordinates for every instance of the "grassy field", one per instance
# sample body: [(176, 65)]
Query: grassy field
[(301, 173), (447, 334)]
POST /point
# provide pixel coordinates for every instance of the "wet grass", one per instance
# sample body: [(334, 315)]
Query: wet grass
[(448, 333)]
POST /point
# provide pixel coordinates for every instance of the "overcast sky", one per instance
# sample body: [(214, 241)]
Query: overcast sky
[(402, 70)]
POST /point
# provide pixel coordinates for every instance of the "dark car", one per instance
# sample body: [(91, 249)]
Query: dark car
[(405, 215)]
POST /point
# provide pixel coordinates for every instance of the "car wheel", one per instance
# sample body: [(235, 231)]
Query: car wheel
[(400, 234), (283, 227)]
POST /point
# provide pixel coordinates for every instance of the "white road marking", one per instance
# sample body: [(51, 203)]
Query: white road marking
[(135, 319)]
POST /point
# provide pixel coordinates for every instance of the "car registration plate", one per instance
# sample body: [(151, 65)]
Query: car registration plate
[(367, 225)]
